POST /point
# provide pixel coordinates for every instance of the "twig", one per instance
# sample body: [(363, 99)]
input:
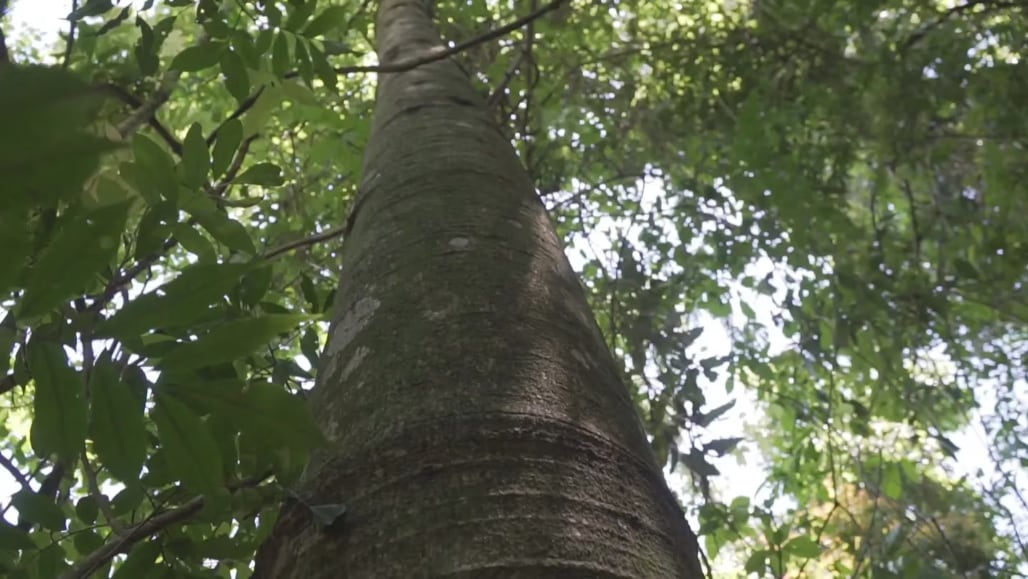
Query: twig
[(144, 113), (73, 23), (923, 32), (101, 499), (134, 102), (19, 476), (316, 238), (154, 524)]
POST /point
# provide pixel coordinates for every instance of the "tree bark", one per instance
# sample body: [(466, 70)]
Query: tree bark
[(478, 423)]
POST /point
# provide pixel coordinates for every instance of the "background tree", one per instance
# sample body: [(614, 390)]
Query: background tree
[(812, 206)]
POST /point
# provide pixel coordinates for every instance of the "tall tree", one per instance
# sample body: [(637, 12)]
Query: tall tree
[(477, 421)]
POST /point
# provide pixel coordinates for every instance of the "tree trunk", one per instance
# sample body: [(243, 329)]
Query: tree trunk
[(478, 424)]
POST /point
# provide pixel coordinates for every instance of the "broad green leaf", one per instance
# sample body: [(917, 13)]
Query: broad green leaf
[(178, 302), (140, 561), (191, 451), (87, 510), (330, 19), (14, 247), (304, 64), (803, 547), (254, 285), (14, 539), (230, 341), (59, 419), (47, 115), (119, 436), (194, 242), (86, 541), (322, 67), (82, 247), (757, 562), (155, 170), (199, 57), (146, 48), (226, 230), (280, 55), (310, 347), (265, 174), (278, 417), (328, 514), (196, 160), (237, 78), (706, 418), (91, 8), (38, 509), (230, 136)]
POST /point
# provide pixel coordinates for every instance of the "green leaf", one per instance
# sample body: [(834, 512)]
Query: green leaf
[(722, 446), (14, 248), (83, 245), (254, 285), (155, 167), (328, 514), (140, 561), (38, 509), (757, 561), (59, 420), (191, 451), (178, 302), (87, 510), (331, 18), (706, 418), (237, 78), (199, 57), (119, 436), (194, 242), (277, 417), (892, 481), (226, 230), (87, 541), (196, 160), (322, 67), (280, 55), (803, 547), (13, 539), (47, 114), (230, 136), (91, 8), (230, 341), (310, 347), (265, 174)]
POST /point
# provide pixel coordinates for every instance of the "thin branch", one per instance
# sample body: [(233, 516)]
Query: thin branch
[(16, 473), (73, 23), (135, 102), (144, 113), (101, 499), (988, 5), (440, 53), (316, 238), (147, 528)]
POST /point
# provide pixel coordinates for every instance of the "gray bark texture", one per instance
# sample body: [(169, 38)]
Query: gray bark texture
[(478, 423)]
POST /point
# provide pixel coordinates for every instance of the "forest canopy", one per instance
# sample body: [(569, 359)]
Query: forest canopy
[(800, 224)]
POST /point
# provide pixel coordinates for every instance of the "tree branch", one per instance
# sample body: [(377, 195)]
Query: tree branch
[(19, 476), (101, 499), (316, 238), (73, 23), (133, 101), (144, 113), (147, 528)]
